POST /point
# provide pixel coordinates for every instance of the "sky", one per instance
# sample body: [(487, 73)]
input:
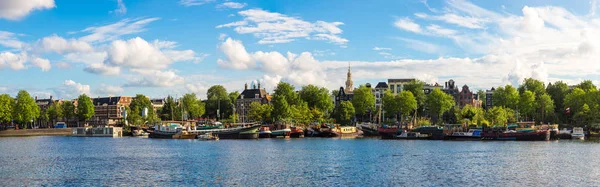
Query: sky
[(63, 48)]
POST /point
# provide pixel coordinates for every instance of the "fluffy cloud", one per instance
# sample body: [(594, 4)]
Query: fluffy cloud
[(17, 9), (116, 30), (63, 65), (102, 69), (13, 61), (41, 63), (60, 45), (154, 78), (272, 28), (237, 56), (71, 89), (136, 53), (233, 5), (108, 90), (9, 39), (408, 25), (381, 49)]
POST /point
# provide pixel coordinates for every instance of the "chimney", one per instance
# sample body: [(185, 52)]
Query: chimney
[(259, 85), (245, 86), (50, 98), (446, 85), (35, 98)]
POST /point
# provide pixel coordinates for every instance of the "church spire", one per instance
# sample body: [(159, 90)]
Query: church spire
[(349, 84)]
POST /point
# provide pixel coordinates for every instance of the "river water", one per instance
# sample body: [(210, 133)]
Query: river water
[(76, 161)]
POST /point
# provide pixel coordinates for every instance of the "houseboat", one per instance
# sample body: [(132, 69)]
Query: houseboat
[(564, 134), (578, 133), (240, 131), (297, 132), (472, 134), (264, 132), (98, 132), (208, 136), (165, 130), (369, 130), (388, 132), (347, 131), (405, 135)]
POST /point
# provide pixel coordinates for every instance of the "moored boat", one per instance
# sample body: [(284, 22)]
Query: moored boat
[(297, 132), (539, 135), (347, 131), (208, 136), (328, 131), (244, 131), (564, 134), (412, 136), (165, 131), (369, 130), (184, 135), (264, 132), (388, 132), (281, 133), (578, 133)]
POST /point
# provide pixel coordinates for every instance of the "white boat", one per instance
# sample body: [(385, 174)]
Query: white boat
[(208, 136), (412, 136), (578, 133)]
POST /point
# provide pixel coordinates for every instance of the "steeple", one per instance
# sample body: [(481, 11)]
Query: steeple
[(349, 84)]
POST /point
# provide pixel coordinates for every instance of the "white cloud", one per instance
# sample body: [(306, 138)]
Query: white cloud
[(71, 89), (102, 69), (13, 61), (60, 45), (194, 2), (422, 46), (463, 21), (237, 56), (408, 25), (198, 88), (95, 57), (109, 90), (233, 5), (185, 55), (136, 53), (41, 63), (116, 30), (273, 28), (9, 39), (63, 65), (17, 9), (121, 9), (381, 48), (154, 78), (437, 30)]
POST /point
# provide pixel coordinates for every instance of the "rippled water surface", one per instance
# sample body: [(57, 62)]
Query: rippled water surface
[(75, 161)]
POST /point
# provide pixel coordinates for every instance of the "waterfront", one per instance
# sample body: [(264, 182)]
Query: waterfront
[(74, 161)]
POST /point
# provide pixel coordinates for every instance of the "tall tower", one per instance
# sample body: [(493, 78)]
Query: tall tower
[(349, 84)]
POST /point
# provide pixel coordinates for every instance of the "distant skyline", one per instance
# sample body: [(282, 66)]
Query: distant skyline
[(155, 47)]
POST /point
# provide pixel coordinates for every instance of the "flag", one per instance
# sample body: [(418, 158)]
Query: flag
[(568, 111)]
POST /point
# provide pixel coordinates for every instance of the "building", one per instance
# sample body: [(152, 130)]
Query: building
[(489, 102), (43, 104), (467, 97), (109, 110), (451, 89), (428, 88), (345, 93), (349, 82), (379, 91), (397, 85), (157, 104), (254, 94)]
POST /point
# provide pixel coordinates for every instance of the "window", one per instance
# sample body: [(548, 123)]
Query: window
[(392, 87), (399, 88)]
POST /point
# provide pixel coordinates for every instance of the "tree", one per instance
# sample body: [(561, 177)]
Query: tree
[(135, 114), (416, 88), (68, 110), (482, 96), (168, 110), (259, 112), (527, 103), (233, 96), (363, 100), (281, 108), (287, 91), (6, 108), (586, 85), (335, 92), (507, 97), (575, 100), (544, 108), (557, 92), (344, 113), (85, 108), (472, 114), (316, 97), (407, 103), (54, 112), (301, 113), (25, 108), (497, 115), (218, 99), (193, 107), (390, 103), (439, 102), (533, 85), (584, 116)]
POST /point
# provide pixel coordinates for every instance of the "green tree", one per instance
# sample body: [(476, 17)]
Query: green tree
[(217, 92), (575, 100), (316, 97), (335, 92), (497, 115), (68, 110), (390, 103), (25, 108), (584, 116), (586, 85), (527, 104), (256, 112), (281, 108), (507, 97), (218, 99), (233, 96), (136, 109), (363, 100), (482, 96), (54, 112), (557, 92), (193, 107), (344, 113), (168, 110), (533, 85), (473, 114), (439, 102), (416, 88), (301, 113), (288, 92), (6, 108), (407, 103), (85, 108), (544, 108)]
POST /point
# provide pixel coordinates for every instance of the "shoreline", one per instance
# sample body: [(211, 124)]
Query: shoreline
[(36, 132)]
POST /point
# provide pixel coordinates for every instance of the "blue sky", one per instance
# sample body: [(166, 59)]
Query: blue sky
[(108, 47)]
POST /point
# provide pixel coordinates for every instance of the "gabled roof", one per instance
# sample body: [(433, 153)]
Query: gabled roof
[(106, 100), (251, 93), (382, 85)]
